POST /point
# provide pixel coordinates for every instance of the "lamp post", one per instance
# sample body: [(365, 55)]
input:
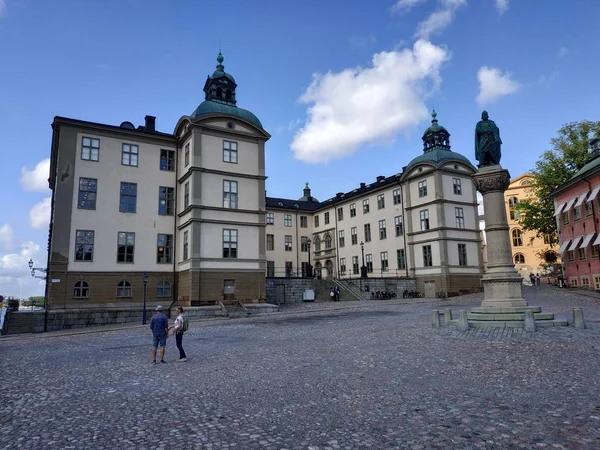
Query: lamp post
[(309, 268), (363, 269), (41, 277), (145, 279)]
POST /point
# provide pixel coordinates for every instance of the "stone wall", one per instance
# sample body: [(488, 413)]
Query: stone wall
[(280, 291), (397, 285)]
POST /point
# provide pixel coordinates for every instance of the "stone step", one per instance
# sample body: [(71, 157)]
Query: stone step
[(552, 323), (504, 310), (512, 323), (508, 316)]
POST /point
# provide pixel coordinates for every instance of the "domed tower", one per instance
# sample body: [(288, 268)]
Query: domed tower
[(436, 136)]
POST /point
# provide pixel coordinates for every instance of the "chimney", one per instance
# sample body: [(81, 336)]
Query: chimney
[(150, 123), (380, 178), (339, 195), (363, 185)]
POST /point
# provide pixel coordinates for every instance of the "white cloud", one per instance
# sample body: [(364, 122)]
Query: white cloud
[(439, 19), (39, 215), (501, 6), (7, 237), (15, 277), (405, 5), (493, 84), (36, 179), (2, 7), (364, 105)]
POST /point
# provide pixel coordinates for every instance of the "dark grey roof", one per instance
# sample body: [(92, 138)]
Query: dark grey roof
[(286, 203)]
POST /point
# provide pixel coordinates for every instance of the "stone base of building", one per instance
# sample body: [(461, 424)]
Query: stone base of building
[(450, 285), (206, 287)]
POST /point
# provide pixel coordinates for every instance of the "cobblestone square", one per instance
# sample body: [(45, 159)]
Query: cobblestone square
[(349, 375)]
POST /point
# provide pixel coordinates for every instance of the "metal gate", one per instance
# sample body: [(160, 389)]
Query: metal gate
[(280, 290)]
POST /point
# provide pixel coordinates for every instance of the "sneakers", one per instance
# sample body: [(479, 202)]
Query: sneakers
[(162, 361), (182, 359)]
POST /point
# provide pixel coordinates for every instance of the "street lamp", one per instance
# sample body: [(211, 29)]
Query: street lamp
[(33, 269), (309, 268), (145, 279), (363, 269)]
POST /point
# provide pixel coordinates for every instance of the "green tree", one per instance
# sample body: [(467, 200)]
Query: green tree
[(35, 301), (569, 151)]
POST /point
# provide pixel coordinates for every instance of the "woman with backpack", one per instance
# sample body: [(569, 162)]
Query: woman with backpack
[(179, 328)]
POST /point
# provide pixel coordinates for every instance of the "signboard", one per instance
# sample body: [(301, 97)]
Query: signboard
[(55, 280)]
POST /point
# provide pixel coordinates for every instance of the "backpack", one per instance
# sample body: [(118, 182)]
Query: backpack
[(185, 324)]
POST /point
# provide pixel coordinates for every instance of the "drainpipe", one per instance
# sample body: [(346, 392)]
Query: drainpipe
[(403, 230), (336, 240), (297, 246), (175, 290)]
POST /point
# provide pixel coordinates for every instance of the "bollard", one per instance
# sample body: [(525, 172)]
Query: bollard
[(447, 316), (578, 320), (463, 323), (435, 318), (529, 320)]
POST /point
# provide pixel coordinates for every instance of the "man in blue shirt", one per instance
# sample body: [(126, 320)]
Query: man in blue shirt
[(159, 326)]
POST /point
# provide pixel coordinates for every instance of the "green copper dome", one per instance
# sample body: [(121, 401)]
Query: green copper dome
[(438, 157), (434, 128), (220, 72), (208, 107)]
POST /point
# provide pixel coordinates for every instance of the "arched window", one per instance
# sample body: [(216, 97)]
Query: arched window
[(327, 240), (163, 289), (219, 92), (526, 183), (512, 205), (317, 243), (124, 289), (81, 289), (228, 94), (517, 238), (519, 258)]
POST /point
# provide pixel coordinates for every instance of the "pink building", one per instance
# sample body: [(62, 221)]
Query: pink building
[(577, 211)]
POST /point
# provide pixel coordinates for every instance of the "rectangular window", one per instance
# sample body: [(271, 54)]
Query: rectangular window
[(365, 206), (270, 218), (304, 267), (427, 259), (303, 222), (340, 213), (384, 262), (270, 269), (230, 194), (342, 239), (382, 229), (367, 232), (585, 281), (353, 236), (597, 282), (289, 269), (125, 247), (167, 160), (355, 265), (87, 193), (595, 251), (422, 188), (84, 245), (342, 267), (288, 242), (287, 220), (304, 243), (462, 254), (460, 217), (230, 153), (573, 281), (230, 241), (166, 201), (577, 213), (401, 259), (456, 185), (565, 216), (369, 262), (270, 242), (186, 195), (164, 249), (326, 218), (316, 220), (589, 209), (128, 197), (424, 219), (129, 155), (397, 197), (187, 155), (581, 254), (571, 255), (90, 148), (353, 210), (380, 201), (398, 225), (186, 245)]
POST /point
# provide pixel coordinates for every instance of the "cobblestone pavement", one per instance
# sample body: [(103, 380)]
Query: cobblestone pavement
[(353, 375)]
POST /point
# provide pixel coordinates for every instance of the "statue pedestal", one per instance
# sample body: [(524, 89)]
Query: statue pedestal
[(501, 281)]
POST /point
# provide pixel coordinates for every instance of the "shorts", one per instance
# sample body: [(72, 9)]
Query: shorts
[(159, 340)]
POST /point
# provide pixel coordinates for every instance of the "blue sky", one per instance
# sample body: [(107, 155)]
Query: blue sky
[(344, 87)]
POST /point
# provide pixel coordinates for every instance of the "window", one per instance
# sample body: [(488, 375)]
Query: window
[(457, 187), (340, 214), (304, 268), (124, 289), (369, 262), (367, 232), (422, 188), (401, 259), (84, 245), (288, 242), (517, 238), (303, 243), (365, 206), (129, 155), (327, 240), (81, 289), (355, 265), (164, 249), (270, 218), (187, 155), (128, 196), (424, 219), (87, 193), (289, 268), (186, 195), (596, 282), (163, 289), (326, 218), (380, 201), (547, 238), (287, 220), (166, 201), (382, 229), (573, 281), (577, 213), (317, 244), (303, 222), (397, 197), (167, 160), (460, 217), (384, 262), (353, 236), (427, 258), (230, 243), (595, 251), (230, 153), (585, 281), (316, 220), (270, 269), (588, 208), (519, 258), (581, 254), (125, 247), (571, 255), (342, 239), (512, 205), (270, 242), (186, 245), (342, 266), (398, 225), (353, 210), (462, 254), (230, 194), (90, 148), (565, 216)]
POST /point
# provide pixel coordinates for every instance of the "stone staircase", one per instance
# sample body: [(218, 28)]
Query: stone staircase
[(352, 291)]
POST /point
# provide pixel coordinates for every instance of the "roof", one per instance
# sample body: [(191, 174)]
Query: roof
[(437, 157), (592, 165), (286, 203), (209, 107)]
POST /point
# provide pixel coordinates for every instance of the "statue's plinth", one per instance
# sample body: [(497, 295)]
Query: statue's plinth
[(501, 281)]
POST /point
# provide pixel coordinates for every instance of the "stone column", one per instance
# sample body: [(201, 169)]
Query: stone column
[(501, 281)]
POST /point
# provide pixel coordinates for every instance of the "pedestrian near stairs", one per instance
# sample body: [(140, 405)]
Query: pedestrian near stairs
[(178, 332)]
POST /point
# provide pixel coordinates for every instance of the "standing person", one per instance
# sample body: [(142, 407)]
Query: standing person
[(160, 329), (332, 295), (537, 279), (178, 333), (336, 290)]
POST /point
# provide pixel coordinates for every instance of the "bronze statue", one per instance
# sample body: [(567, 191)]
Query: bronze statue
[(487, 142)]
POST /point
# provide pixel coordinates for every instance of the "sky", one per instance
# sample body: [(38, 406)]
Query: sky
[(345, 88)]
